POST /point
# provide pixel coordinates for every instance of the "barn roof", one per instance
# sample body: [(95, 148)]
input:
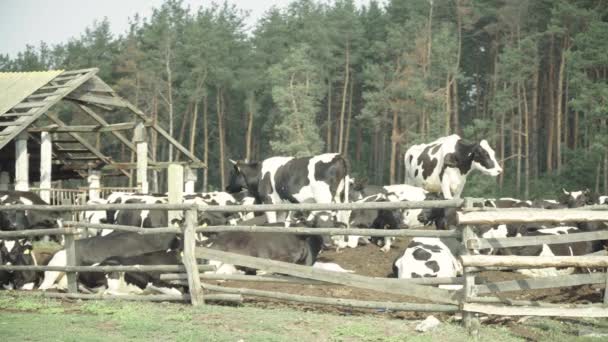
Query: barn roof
[(25, 102)]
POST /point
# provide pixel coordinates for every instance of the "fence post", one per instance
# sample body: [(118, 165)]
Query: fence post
[(189, 258), (70, 252), (468, 318)]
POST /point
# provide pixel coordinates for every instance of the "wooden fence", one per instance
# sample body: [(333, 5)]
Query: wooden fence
[(475, 297)]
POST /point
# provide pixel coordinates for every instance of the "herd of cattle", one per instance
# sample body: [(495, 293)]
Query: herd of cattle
[(437, 170)]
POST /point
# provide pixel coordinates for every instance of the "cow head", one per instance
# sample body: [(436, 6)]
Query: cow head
[(443, 218), (19, 252), (575, 199), (484, 159), (243, 176)]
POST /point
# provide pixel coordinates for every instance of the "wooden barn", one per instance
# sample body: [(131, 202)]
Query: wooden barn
[(38, 147)]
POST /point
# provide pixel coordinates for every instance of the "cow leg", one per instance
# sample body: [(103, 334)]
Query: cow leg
[(171, 291), (445, 188), (50, 277), (387, 244)]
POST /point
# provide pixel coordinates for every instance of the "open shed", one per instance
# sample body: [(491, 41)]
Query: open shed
[(36, 144)]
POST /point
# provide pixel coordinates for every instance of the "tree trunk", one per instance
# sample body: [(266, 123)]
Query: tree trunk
[(182, 131), (448, 109), (455, 104), (329, 126), (205, 142), (519, 149), (344, 94), (394, 142), (220, 128), (558, 113), (154, 142), (358, 144), (169, 98), (550, 113), (249, 127), (193, 126), (575, 131), (349, 116), (501, 177), (534, 146), (526, 144)]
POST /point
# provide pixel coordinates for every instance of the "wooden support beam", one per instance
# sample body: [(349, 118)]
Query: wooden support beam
[(46, 166), (189, 259), (97, 99), (534, 261), (85, 143), (541, 283), (565, 311), (84, 128), (70, 249), (145, 298), (141, 143), (479, 243), (175, 185), (21, 163), (103, 122), (400, 288), (530, 215), (351, 303)]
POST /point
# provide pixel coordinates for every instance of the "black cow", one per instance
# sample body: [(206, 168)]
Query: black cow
[(442, 166), (319, 179), (18, 253), (26, 219), (96, 249), (297, 249), (118, 283)]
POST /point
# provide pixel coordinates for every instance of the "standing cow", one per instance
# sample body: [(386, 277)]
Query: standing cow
[(317, 179), (443, 165)]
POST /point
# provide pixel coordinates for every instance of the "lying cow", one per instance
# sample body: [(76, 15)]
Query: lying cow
[(296, 249), (27, 219), (442, 166), (18, 253), (374, 219), (318, 179), (121, 283), (96, 249)]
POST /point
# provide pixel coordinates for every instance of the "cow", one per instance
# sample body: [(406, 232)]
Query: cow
[(438, 257), (96, 249), (212, 218), (292, 248), (395, 193), (126, 198), (375, 219), (576, 199), (319, 179), (602, 200), (507, 202), (26, 219), (96, 217), (442, 166), (120, 283), (18, 253), (429, 257)]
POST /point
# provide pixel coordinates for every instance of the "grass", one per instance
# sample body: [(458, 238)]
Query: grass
[(34, 318)]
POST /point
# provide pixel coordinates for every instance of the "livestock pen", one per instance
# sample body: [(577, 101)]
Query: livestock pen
[(466, 301)]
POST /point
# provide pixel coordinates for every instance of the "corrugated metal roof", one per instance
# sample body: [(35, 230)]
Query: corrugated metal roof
[(16, 86)]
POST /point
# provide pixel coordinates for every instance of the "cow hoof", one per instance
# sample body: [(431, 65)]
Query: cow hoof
[(385, 250)]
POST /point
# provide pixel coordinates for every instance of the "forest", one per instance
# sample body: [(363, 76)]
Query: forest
[(530, 76)]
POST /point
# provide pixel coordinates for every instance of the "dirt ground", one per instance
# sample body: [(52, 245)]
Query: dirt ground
[(369, 260)]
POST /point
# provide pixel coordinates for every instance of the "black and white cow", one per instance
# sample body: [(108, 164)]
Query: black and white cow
[(26, 219), (121, 283), (131, 198), (374, 219), (508, 202), (302, 250), (576, 199), (319, 179), (212, 218), (18, 253), (442, 166), (96, 249)]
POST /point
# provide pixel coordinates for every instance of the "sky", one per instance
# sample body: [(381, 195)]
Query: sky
[(56, 21)]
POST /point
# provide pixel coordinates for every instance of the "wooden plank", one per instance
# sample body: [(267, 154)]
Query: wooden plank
[(453, 203), (70, 249), (351, 303), (534, 261), (541, 283), (592, 311), (331, 231), (274, 278), (139, 230), (43, 95), (77, 71), (84, 128), (479, 243), (85, 143), (125, 206), (35, 232), (10, 123), (387, 286), (23, 105), (12, 114), (103, 122), (531, 215), (57, 86), (97, 99), (189, 259), (148, 298), (106, 269)]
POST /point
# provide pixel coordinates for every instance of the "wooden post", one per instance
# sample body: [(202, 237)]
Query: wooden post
[(175, 187), (189, 258), (5, 180), (94, 181), (46, 165), (21, 163), (70, 250), (468, 318), (139, 138), (190, 177)]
